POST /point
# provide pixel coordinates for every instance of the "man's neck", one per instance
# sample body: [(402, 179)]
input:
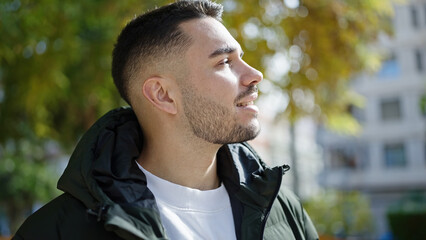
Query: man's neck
[(191, 165)]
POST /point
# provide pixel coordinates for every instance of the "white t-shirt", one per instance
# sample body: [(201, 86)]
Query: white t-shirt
[(188, 213)]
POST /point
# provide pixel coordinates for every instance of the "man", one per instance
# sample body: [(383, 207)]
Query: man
[(175, 165)]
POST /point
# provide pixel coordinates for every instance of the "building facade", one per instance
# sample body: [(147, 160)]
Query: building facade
[(388, 158)]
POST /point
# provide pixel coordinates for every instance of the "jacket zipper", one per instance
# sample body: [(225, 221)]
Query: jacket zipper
[(268, 210)]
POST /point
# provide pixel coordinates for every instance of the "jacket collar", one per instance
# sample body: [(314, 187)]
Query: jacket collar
[(254, 184), (102, 174)]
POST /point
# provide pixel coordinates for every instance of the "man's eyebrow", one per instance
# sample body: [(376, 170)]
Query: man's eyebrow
[(223, 50)]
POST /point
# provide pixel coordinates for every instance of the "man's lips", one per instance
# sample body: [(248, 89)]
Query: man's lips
[(247, 100)]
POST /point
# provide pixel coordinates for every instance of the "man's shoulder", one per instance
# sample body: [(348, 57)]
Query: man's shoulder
[(64, 217), (44, 221), (288, 216), (289, 198), (288, 204)]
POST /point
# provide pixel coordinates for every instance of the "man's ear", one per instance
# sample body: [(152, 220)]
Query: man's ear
[(155, 89)]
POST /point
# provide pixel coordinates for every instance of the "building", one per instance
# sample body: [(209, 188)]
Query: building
[(388, 158)]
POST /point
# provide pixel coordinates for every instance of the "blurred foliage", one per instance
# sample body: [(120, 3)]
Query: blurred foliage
[(422, 104), (407, 217), (341, 214), (55, 64), (54, 83), (55, 57), (55, 68), (326, 42), (26, 169)]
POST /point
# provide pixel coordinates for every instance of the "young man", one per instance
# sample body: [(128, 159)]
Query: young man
[(175, 165)]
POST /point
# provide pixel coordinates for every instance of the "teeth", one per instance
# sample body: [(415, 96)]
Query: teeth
[(245, 104)]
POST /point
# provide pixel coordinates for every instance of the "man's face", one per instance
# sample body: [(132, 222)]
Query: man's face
[(219, 88)]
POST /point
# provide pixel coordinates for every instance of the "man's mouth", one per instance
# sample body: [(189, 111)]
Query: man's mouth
[(245, 104)]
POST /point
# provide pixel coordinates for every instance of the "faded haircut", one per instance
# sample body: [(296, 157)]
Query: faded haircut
[(155, 35)]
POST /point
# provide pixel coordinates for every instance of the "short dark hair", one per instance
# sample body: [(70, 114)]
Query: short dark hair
[(155, 34)]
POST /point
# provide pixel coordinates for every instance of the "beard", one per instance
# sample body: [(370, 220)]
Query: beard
[(216, 123)]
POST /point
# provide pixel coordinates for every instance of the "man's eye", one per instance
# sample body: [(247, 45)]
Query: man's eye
[(225, 62)]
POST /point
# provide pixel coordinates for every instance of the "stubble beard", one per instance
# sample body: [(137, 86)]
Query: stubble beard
[(213, 122)]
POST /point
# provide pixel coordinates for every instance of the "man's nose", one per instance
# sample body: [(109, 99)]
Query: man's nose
[(250, 76)]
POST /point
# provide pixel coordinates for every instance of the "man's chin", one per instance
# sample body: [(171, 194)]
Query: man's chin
[(255, 134), (249, 134)]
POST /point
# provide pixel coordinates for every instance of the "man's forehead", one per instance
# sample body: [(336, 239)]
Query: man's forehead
[(210, 36)]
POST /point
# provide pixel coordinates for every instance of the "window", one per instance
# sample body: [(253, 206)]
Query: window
[(395, 155), (414, 17), (342, 159), (390, 109), (419, 60), (356, 112), (390, 68), (352, 156)]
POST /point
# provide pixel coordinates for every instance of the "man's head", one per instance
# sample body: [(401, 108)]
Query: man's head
[(190, 77), (154, 37)]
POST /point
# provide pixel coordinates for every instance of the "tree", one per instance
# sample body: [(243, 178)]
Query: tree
[(341, 214), (55, 82), (55, 65), (325, 43), (29, 174), (310, 49)]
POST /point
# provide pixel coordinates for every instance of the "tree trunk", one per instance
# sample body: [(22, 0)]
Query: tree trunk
[(294, 159)]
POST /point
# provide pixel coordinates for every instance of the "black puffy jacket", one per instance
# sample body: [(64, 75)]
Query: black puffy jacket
[(106, 196)]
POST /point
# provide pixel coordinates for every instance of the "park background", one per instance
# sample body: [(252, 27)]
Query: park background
[(343, 101)]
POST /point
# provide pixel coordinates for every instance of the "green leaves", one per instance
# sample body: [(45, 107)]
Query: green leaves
[(26, 169), (55, 56), (337, 213), (28, 175), (55, 64), (55, 82), (326, 43)]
